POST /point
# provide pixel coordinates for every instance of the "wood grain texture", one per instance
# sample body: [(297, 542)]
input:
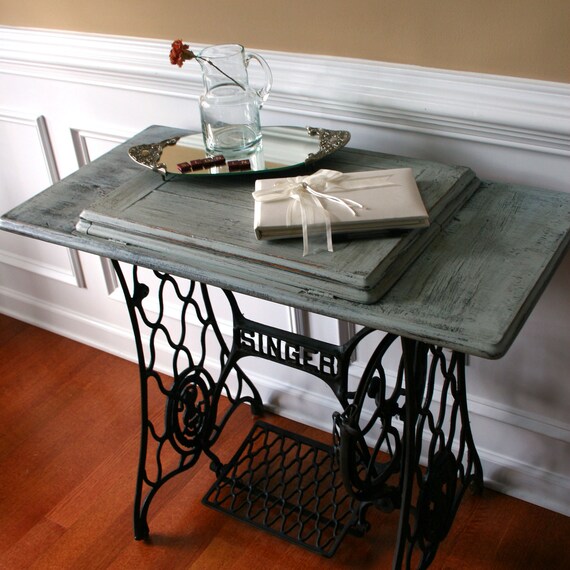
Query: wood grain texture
[(208, 222), (68, 454), (471, 290)]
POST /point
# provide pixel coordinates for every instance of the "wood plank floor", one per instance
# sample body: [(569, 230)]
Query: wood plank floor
[(68, 453)]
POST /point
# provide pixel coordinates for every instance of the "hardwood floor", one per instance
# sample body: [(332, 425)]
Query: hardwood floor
[(68, 454)]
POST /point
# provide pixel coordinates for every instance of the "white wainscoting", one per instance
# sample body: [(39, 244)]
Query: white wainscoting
[(69, 97)]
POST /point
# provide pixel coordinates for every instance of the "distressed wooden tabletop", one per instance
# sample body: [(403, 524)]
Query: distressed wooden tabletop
[(470, 289)]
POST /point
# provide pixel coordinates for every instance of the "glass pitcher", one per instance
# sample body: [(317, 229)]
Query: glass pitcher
[(229, 106)]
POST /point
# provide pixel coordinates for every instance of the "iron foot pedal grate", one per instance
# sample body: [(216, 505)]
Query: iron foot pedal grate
[(287, 485)]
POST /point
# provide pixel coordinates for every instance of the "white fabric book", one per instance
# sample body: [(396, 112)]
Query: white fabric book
[(354, 203)]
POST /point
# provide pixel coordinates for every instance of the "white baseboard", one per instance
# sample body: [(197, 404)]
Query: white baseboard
[(526, 482), (80, 327)]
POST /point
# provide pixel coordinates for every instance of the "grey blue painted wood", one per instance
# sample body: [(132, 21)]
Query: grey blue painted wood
[(471, 289), (208, 224)]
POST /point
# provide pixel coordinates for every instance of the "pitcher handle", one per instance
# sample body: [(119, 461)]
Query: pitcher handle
[(264, 91)]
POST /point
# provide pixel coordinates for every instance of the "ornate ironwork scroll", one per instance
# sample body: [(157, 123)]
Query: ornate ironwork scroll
[(388, 432), (191, 424), (326, 361), (388, 427)]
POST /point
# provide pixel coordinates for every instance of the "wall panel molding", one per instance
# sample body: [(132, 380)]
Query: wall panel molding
[(81, 138), (75, 274), (47, 148)]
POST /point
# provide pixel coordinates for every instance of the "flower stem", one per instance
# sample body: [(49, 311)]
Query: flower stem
[(210, 62)]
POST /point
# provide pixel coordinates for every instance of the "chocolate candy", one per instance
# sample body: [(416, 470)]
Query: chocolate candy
[(218, 160), (184, 167), (210, 162), (235, 165), (197, 164)]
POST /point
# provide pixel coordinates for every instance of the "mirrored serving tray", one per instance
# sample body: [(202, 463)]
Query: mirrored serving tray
[(280, 148)]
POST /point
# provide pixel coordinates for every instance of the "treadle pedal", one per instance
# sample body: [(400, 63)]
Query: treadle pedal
[(288, 485)]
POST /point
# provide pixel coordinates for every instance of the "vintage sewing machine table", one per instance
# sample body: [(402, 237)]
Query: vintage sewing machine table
[(467, 285)]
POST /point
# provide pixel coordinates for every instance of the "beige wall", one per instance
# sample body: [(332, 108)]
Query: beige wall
[(525, 38)]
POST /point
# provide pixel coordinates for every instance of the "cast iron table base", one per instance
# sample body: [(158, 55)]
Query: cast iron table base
[(304, 491)]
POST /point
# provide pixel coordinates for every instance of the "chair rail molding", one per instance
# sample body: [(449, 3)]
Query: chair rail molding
[(508, 111)]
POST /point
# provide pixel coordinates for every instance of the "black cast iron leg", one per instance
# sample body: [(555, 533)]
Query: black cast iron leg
[(474, 470), (190, 424), (140, 526), (440, 433), (414, 355)]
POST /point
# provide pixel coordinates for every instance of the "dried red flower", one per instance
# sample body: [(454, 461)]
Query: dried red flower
[(180, 52)]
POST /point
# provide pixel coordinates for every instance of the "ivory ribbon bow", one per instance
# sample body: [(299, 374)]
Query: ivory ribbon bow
[(309, 194)]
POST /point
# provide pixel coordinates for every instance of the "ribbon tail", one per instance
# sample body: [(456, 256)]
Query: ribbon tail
[(329, 232), (305, 230), (327, 218), (328, 227)]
